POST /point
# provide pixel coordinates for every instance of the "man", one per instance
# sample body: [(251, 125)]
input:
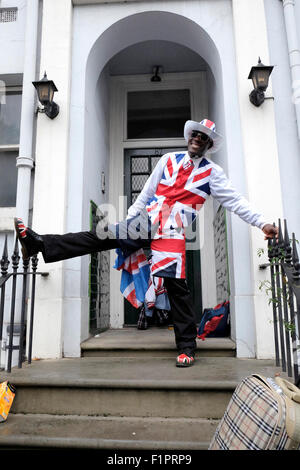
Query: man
[(173, 194)]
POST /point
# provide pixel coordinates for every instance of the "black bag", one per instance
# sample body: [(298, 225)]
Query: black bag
[(142, 323), (162, 317)]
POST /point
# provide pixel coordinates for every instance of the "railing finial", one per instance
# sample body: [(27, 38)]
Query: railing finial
[(15, 256), (287, 244), (272, 246), (4, 260), (295, 257), (281, 251), (280, 237)]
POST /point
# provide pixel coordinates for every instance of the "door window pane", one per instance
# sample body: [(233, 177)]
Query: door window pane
[(8, 179), (139, 165), (10, 116), (157, 114), (138, 182)]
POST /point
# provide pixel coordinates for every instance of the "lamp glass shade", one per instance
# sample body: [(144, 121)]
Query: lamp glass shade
[(44, 93), (261, 79), (260, 76), (45, 89)]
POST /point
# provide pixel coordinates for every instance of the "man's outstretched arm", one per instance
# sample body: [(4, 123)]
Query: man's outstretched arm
[(222, 189)]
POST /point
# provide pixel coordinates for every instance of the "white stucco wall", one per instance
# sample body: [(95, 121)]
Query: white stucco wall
[(50, 189), (98, 19), (12, 35), (12, 39), (84, 183), (285, 118), (73, 149), (261, 156)]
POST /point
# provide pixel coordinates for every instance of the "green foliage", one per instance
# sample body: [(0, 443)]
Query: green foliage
[(278, 294)]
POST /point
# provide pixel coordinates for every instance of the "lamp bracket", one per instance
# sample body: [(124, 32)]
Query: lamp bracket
[(257, 97), (50, 109)]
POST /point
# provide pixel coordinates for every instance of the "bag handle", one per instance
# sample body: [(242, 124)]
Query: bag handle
[(289, 389)]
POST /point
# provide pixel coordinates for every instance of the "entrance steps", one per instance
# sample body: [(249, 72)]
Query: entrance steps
[(123, 401), (153, 342)]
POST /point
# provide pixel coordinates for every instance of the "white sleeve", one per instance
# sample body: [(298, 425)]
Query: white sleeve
[(149, 189), (222, 189)]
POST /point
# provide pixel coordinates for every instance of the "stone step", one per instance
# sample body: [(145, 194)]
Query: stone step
[(92, 432), (154, 342), (132, 387)]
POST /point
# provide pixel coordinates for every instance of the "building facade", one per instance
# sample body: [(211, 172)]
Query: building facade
[(64, 174)]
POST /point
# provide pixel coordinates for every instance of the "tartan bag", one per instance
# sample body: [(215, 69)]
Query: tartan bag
[(263, 414)]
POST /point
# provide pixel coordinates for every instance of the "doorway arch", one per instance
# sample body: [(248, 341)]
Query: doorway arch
[(89, 130)]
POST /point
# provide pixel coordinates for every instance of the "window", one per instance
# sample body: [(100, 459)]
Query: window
[(157, 114), (8, 178), (8, 15), (10, 116)]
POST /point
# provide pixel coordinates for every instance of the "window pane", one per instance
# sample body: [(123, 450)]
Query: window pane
[(154, 162), (8, 179), (140, 165), (138, 182), (157, 114), (10, 116)]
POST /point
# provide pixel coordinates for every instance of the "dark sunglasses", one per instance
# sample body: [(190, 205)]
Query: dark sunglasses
[(203, 137)]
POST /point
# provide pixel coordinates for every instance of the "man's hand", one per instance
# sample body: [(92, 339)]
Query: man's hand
[(269, 231)]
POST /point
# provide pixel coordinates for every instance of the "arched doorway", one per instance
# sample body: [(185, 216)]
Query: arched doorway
[(90, 98), (181, 64)]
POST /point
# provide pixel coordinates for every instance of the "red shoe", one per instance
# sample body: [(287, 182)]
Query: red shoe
[(183, 360)]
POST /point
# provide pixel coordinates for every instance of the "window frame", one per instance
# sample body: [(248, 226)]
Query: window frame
[(7, 213), (8, 147)]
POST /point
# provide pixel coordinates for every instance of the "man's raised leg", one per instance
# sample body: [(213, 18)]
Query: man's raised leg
[(60, 247)]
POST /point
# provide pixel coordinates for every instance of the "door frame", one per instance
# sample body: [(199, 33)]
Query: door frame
[(196, 82)]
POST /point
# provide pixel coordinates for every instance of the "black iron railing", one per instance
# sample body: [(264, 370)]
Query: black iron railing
[(25, 274), (284, 294)]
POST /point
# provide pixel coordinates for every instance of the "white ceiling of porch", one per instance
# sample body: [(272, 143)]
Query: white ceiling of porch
[(142, 57)]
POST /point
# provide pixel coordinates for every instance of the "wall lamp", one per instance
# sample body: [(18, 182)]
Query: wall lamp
[(156, 70), (259, 75), (45, 90)]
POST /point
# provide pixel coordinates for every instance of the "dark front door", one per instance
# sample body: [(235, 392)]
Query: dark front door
[(138, 165)]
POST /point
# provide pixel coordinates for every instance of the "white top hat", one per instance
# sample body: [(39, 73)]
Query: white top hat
[(207, 127)]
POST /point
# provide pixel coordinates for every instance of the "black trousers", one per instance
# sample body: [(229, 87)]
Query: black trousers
[(70, 245)]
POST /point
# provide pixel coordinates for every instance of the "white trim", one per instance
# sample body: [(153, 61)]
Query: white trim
[(96, 2), (7, 215), (131, 143), (17, 88), (120, 85)]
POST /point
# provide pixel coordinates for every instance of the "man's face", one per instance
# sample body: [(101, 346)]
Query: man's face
[(198, 143)]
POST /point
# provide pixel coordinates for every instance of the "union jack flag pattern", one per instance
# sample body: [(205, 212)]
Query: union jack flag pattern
[(155, 288), (135, 276), (183, 360), (21, 228), (180, 194), (209, 124)]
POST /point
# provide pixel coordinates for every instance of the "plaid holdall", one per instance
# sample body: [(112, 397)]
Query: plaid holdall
[(262, 415)]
